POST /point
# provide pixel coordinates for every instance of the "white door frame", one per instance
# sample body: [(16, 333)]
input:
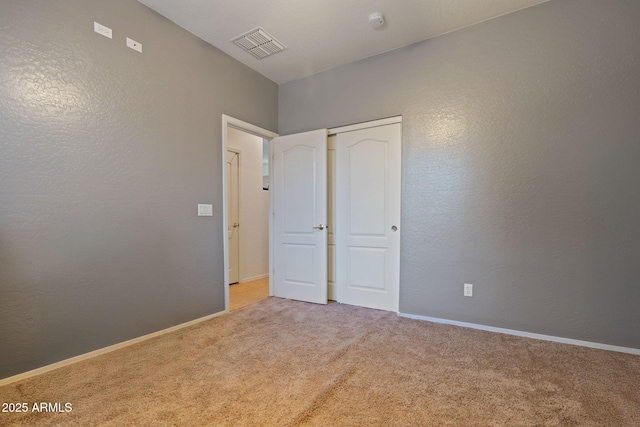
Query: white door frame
[(262, 133)]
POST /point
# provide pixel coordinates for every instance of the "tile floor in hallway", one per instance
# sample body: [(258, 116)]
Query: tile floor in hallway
[(247, 293)]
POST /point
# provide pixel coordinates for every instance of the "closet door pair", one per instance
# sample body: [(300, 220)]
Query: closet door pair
[(362, 180)]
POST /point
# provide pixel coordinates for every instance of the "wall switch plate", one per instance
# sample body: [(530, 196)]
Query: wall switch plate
[(468, 290), (102, 30), (205, 210), (134, 45)]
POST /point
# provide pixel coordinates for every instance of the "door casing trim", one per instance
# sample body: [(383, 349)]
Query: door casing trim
[(366, 125)]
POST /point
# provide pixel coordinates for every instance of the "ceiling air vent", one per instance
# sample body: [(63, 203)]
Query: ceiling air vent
[(259, 43)]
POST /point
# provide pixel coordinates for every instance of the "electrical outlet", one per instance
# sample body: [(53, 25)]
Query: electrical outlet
[(468, 290), (134, 45), (102, 30)]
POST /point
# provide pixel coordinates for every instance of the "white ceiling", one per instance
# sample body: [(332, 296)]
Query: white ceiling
[(323, 34)]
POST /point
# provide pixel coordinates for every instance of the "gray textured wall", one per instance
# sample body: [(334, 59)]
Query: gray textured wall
[(104, 155), (521, 143)]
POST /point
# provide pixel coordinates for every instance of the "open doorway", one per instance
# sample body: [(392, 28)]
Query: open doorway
[(246, 209)]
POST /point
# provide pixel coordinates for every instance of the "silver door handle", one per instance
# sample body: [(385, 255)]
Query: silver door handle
[(319, 227)]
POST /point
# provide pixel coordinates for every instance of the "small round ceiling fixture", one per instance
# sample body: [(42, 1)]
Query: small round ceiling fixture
[(376, 20)]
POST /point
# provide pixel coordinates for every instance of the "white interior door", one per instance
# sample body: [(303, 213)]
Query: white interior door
[(233, 215), (299, 188), (368, 173)]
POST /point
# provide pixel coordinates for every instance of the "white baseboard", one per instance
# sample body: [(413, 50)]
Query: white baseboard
[(525, 334), (102, 351), (249, 279)]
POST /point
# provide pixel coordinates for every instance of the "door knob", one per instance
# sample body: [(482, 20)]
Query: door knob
[(394, 228), (235, 224), (319, 227)]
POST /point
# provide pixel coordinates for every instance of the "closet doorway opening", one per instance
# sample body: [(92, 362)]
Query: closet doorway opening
[(246, 206)]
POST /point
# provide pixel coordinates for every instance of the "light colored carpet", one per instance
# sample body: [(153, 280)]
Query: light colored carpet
[(247, 293), (286, 363)]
